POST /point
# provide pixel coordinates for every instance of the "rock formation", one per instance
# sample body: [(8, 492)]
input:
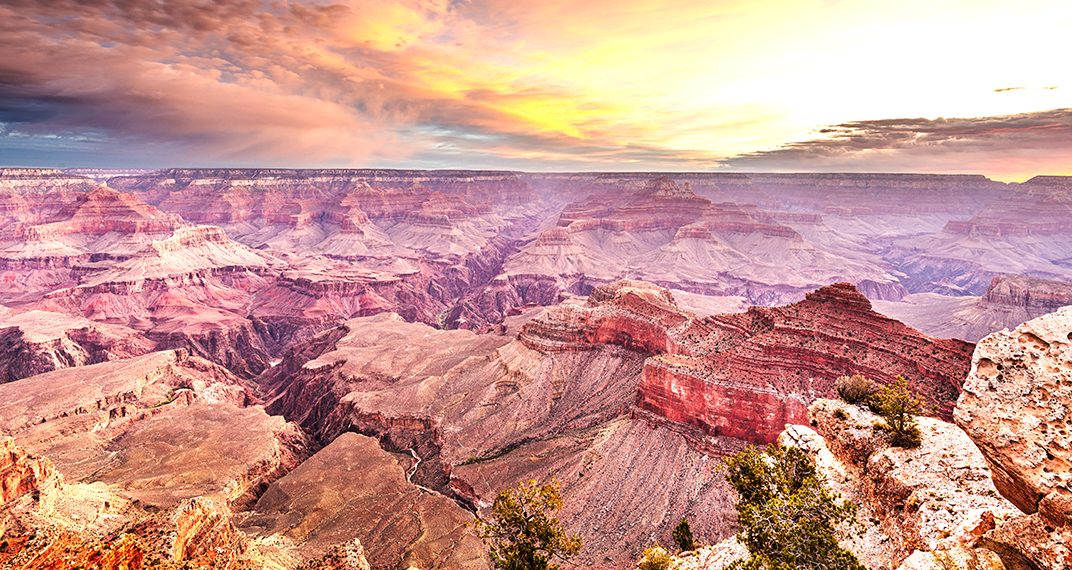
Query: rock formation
[(344, 279), (1014, 407), (21, 473), (933, 498), (749, 374), (570, 391), (154, 425), (34, 342), (1008, 301), (661, 232), (1024, 233)]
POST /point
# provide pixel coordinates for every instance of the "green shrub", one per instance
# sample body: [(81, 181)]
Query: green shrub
[(683, 535), (899, 407), (855, 389), (654, 558), (524, 533), (787, 518)]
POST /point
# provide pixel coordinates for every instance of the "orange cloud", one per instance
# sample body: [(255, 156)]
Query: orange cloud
[(519, 83)]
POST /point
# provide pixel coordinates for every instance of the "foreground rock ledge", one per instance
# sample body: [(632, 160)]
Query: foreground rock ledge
[(1015, 406)]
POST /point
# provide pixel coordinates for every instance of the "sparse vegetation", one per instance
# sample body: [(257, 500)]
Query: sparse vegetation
[(683, 535), (524, 533), (654, 558), (788, 520), (855, 389), (899, 407)]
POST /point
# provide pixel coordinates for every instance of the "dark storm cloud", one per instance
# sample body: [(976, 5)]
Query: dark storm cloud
[(895, 144)]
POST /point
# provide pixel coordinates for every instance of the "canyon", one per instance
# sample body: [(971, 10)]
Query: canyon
[(258, 368)]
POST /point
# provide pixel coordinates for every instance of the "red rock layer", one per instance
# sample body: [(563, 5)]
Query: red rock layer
[(772, 362), (24, 353), (632, 314)]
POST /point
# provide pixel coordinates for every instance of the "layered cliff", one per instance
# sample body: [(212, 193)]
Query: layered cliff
[(574, 391), (33, 342), (769, 363), (1025, 232), (1007, 302), (659, 231), (33, 180)]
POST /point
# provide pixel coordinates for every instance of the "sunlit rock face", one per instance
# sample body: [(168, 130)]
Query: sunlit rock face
[(925, 503), (1014, 407), (34, 342), (769, 363)]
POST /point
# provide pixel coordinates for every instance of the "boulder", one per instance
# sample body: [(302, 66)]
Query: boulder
[(1015, 407)]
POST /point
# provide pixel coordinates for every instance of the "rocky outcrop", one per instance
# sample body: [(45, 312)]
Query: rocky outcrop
[(22, 473), (163, 427), (196, 533), (632, 314), (34, 342), (749, 374), (203, 526), (1030, 293), (938, 497), (1014, 407)]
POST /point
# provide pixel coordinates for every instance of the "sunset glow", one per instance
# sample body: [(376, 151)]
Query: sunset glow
[(609, 85)]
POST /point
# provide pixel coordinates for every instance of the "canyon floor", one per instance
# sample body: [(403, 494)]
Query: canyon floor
[(263, 368)]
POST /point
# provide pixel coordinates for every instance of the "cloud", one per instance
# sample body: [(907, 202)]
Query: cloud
[(1009, 147), (605, 84)]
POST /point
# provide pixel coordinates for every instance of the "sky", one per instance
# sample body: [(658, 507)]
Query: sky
[(964, 86)]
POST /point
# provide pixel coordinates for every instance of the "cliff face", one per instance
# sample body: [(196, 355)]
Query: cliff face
[(21, 473), (1026, 233), (34, 342), (776, 360), (1014, 407), (917, 505), (484, 411), (18, 181), (587, 392), (1030, 293)]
